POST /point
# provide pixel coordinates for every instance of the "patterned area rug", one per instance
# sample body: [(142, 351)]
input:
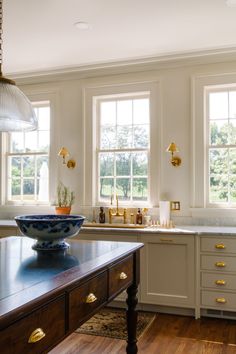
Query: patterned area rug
[(112, 323)]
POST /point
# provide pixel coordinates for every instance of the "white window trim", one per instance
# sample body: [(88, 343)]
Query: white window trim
[(89, 114), (199, 158), (11, 209)]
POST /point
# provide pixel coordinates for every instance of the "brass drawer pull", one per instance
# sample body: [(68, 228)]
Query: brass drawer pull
[(220, 246), (90, 298), (220, 282), (123, 276), (221, 300), (36, 335), (220, 264)]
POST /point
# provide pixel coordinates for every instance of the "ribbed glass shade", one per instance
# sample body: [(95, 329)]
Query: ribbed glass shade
[(16, 111)]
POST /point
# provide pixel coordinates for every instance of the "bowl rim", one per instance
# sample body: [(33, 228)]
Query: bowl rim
[(44, 217)]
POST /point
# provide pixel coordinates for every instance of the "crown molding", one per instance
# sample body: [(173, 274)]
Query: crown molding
[(126, 66)]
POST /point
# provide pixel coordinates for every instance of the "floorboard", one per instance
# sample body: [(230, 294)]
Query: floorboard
[(168, 334)]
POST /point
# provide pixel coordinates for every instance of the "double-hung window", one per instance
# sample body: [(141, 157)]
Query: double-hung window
[(221, 122), (123, 147), (27, 161)]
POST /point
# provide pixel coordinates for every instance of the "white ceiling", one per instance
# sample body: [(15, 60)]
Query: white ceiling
[(38, 35)]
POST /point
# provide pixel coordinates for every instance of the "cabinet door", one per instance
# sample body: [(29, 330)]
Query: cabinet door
[(167, 272)]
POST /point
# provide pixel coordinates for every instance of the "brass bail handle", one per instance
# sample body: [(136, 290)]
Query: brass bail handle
[(36, 335)]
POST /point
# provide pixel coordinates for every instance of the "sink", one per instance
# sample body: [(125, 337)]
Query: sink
[(115, 225)]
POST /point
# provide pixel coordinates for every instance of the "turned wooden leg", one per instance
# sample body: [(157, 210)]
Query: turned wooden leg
[(132, 316)]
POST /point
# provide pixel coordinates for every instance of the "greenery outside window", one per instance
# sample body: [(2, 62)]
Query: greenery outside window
[(28, 161), (123, 147), (222, 145)]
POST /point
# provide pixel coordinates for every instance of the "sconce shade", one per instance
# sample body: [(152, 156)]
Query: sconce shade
[(63, 152), (172, 148), (16, 111)]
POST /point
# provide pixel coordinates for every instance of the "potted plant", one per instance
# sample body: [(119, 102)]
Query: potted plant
[(65, 199)]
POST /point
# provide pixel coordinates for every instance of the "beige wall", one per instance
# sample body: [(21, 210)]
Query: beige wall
[(175, 82)]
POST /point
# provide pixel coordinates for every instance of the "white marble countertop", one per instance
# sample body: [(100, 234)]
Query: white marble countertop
[(183, 229)]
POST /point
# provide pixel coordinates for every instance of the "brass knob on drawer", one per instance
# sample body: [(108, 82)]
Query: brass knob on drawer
[(90, 298), (221, 300), (220, 264), (36, 335), (123, 276), (220, 246), (220, 282)]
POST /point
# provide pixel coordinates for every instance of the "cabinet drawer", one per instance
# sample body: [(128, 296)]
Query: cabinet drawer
[(218, 262), (218, 299), (120, 275), (49, 318), (85, 299), (220, 281), (218, 244)]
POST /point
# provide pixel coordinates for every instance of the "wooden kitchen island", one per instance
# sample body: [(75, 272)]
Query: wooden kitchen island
[(46, 295)]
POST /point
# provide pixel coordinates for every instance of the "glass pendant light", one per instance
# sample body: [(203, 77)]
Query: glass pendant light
[(16, 111)]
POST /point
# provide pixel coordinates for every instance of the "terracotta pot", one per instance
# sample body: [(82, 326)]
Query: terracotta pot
[(63, 210)]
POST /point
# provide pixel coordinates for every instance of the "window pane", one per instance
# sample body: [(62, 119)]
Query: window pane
[(232, 104), (43, 141), (124, 112), (124, 136), (108, 113), (141, 136), (15, 163), (108, 138), (140, 189), (44, 118), (219, 132), (123, 188), (218, 161), (106, 188), (15, 189), (123, 164), (232, 161), (42, 182), (28, 166), (232, 132), (218, 102), (218, 195), (106, 164), (28, 189), (31, 141), (17, 142), (140, 164), (141, 111)]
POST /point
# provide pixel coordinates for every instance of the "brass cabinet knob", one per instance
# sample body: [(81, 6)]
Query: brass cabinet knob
[(90, 298), (220, 264), (220, 246), (36, 335), (123, 276), (220, 282), (221, 300)]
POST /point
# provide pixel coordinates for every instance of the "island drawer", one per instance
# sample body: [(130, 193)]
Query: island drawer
[(218, 299), (221, 263), (218, 281), (86, 298), (218, 244), (36, 332), (120, 275)]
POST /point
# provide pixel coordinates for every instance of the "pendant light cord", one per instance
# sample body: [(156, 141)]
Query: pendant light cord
[(0, 37)]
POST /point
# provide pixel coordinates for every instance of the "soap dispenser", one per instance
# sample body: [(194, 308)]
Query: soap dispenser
[(139, 217)]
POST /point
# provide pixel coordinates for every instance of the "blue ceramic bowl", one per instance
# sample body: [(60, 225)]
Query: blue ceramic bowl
[(49, 230)]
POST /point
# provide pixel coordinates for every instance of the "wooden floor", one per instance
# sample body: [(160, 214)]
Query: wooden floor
[(168, 334)]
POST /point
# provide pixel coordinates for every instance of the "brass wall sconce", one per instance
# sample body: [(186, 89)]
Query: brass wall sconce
[(64, 153), (175, 160)]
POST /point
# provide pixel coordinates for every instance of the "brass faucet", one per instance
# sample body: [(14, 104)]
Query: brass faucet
[(117, 213)]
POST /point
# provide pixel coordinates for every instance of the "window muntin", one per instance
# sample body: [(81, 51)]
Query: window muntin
[(222, 146), (123, 148), (28, 161)]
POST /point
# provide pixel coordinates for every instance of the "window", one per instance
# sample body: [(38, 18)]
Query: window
[(123, 144), (28, 160), (222, 145)]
